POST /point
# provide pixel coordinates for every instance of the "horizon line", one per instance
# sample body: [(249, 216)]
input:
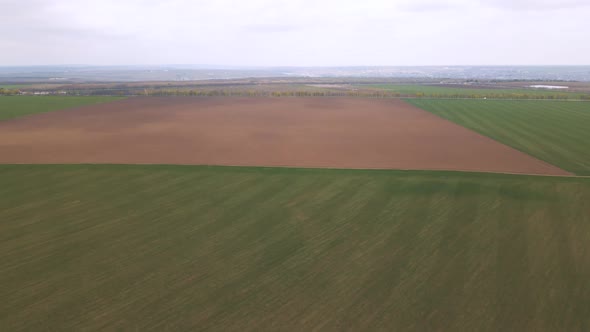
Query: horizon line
[(213, 66)]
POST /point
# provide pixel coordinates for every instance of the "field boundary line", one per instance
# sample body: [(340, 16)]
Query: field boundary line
[(511, 147), (319, 168)]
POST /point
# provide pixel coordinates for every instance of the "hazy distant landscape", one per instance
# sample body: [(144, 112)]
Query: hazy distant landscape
[(81, 73)]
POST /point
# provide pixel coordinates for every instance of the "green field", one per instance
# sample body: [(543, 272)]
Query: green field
[(250, 249), (17, 106), (557, 132), (13, 86), (462, 92)]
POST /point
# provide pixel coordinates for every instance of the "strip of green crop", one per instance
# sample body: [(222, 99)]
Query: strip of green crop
[(12, 86), (17, 106), (554, 131), (432, 91), (122, 247)]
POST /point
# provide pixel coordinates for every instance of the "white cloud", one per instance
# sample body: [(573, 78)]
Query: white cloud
[(296, 32), (536, 5)]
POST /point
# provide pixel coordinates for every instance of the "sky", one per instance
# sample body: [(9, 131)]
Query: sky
[(295, 32)]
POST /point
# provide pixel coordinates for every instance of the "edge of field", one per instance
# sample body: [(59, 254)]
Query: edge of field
[(114, 99), (503, 142), (94, 100), (303, 170)]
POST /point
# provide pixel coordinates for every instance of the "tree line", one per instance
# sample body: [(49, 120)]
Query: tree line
[(355, 93), (212, 92)]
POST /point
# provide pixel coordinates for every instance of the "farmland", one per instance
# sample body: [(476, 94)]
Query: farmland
[(92, 238), (294, 166), (123, 247), (301, 132), (553, 131), (13, 86), (463, 91), (17, 106)]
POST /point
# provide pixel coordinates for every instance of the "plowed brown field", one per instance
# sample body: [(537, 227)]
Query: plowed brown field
[(302, 132)]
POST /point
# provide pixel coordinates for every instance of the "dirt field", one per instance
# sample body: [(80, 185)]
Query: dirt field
[(304, 132)]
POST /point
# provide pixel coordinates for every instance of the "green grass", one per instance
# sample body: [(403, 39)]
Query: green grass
[(251, 249), (13, 86), (17, 106), (557, 132), (452, 92)]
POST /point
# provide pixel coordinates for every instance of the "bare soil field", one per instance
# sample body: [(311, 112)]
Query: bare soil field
[(299, 132)]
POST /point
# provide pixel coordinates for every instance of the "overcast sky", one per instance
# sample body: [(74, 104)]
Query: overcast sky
[(295, 32)]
